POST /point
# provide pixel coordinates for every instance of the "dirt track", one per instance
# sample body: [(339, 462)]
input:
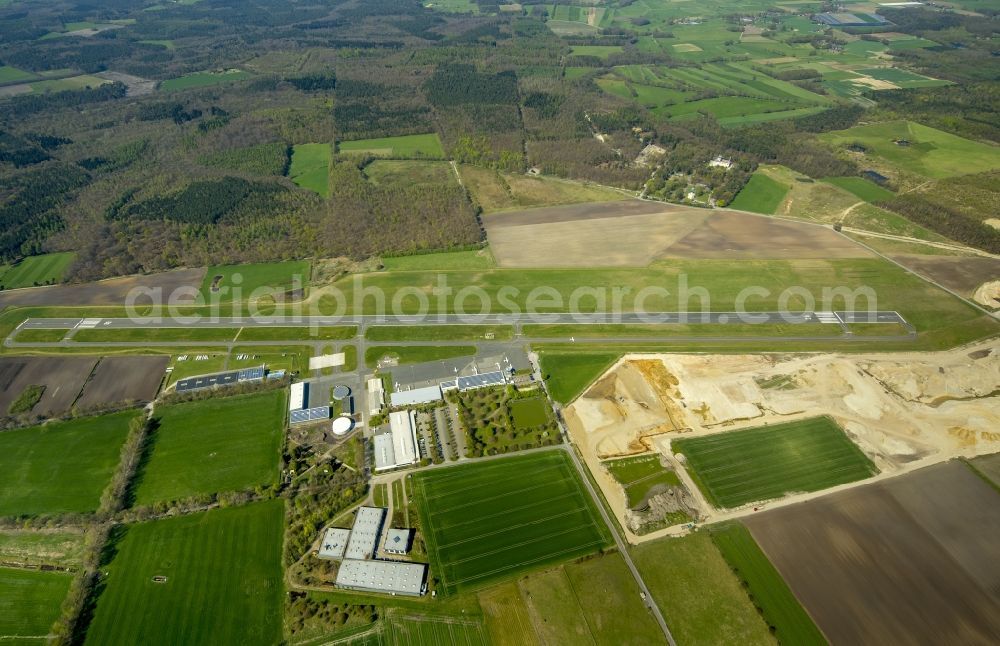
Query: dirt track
[(911, 560)]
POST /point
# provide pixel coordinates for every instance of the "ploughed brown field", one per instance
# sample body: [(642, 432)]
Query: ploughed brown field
[(961, 274), (634, 233), (912, 560), (105, 292), (123, 379), (63, 378)]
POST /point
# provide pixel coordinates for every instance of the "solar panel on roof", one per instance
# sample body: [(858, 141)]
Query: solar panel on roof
[(309, 415), (251, 374), (495, 378)]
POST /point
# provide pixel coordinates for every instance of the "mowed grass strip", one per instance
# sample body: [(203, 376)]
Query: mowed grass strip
[(760, 195), (213, 445), (438, 332), (417, 353), (734, 468), (30, 601), (239, 282), (61, 467), (154, 334), (36, 270), (494, 520), (223, 580), (783, 613), (299, 333), (425, 146)]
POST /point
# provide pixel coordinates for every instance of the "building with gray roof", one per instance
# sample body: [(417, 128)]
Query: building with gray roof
[(388, 577)]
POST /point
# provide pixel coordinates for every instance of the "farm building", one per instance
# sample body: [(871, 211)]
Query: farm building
[(397, 541), (398, 447), (391, 577), (376, 396), (365, 533), (334, 543), (416, 396)]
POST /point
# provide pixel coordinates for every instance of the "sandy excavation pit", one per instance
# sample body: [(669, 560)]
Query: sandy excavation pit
[(901, 409)]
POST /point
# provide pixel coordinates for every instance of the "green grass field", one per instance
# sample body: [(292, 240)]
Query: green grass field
[(299, 333), (416, 353), (154, 334), (442, 261), (60, 467), (40, 335), (202, 79), (698, 593), (761, 195), (30, 602), (568, 374), (36, 270), (10, 74), (223, 580), (495, 520), (529, 413), (734, 468), (213, 445), (779, 607), (47, 547), (862, 188), (639, 475), (283, 276), (931, 153), (426, 146), (600, 51), (310, 167), (438, 332)]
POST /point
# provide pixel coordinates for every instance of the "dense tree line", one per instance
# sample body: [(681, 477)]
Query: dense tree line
[(28, 214), (30, 104), (948, 222), (204, 202), (455, 84)]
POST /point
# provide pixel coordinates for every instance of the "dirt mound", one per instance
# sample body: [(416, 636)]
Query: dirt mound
[(988, 294)]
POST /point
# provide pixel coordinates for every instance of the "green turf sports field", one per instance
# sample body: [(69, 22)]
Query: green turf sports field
[(214, 445), (223, 581), (61, 467), (734, 468), (310, 167), (30, 601), (494, 520), (761, 195)]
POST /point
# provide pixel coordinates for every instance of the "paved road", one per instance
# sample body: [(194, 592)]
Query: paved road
[(363, 321)]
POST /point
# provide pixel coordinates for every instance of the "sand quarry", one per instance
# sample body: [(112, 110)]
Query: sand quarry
[(903, 410)]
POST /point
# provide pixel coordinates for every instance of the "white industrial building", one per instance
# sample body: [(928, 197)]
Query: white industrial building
[(376, 396), (390, 577), (334, 543), (365, 533), (298, 397), (416, 396), (397, 541), (398, 447)]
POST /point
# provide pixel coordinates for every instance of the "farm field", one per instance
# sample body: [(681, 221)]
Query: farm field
[(9, 74), (111, 292), (416, 354), (281, 276), (214, 445), (639, 475), (61, 467), (310, 167), (62, 548), (426, 146), (471, 513), (931, 153), (445, 260), (438, 332), (733, 468), (123, 379), (30, 602), (219, 565), (495, 191), (694, 586), (402, 628), (567, 375), (988, 466), (762, 194), (202, 79), (862, 188), (36, 270), (779, 607), (943, 517), (63, 378)]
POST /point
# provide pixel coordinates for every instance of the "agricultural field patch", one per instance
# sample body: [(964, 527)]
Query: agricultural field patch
[(214, 445), (495, 191), (61, 467), (33, 271), (203, 79), (600, 51), (568, 374), (425, 146), (762, 194), (30, 602), (63, 378), (694, 586), (734, 468), (214, 565), (862, 188), (918, 149), (37, 548), (106, 292), (962, 274), (639, 476), (310, 167), (891, 526), (442, 261), (492, 521), (123, 379)]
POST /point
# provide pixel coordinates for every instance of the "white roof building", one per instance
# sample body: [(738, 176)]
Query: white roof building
[(385, 456), (334, 543), (403, 425), (397, 541), (416, 396), (376, 396), (365, 533), (298, 396), (391, 577)]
